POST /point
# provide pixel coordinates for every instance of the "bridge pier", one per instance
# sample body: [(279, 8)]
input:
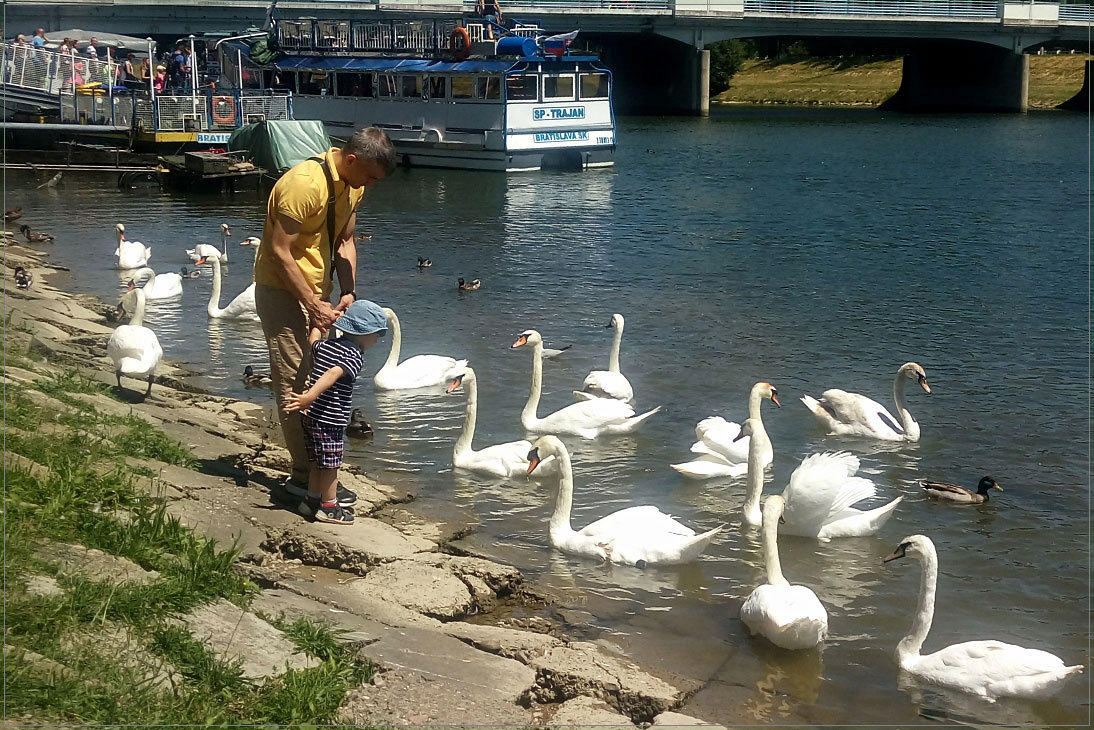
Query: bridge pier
[(655, 75), (962, 77), (1081, 101)]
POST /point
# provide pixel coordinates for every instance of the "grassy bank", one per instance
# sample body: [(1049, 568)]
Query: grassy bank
[(91, 650), (868, 82)]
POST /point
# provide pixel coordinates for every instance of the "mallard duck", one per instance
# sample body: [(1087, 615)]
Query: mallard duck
[(422, 263), (13, 214), (23, 280), (469, 286), (954, 493), (250, 377), (189, 274), (358, 427), (33, 237), (363, 237)]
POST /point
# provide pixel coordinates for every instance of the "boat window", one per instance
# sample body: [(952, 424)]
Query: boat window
[(436, 87), (463, 87), (487, 87), (386, 85), (594, 86), (313, 82), (521, 88), (354, 84), (558, 87), (278, 79), (411, 86)]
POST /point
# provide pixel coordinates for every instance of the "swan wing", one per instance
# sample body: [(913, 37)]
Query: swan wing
[(820, 489), (606, 384), (631, 424), (708, 466), (135, 350), (656, 548), (422, 371), (858, 523), (717, 434), (640, 519), (243, 306), (791, 617), (993, 669), (507, 459), (165, 286), (591, 414), (855, 413)]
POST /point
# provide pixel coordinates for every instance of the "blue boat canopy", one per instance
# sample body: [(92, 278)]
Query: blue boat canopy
[(408, 65)]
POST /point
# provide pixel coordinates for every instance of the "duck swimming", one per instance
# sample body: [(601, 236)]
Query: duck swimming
[(13, 214), (422, 263), (23, 280), (472, 285), (33, 237), (250, 377), (358, 427), (954, 493)]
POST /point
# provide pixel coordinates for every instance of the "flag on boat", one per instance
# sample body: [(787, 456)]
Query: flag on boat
[(556, 45)]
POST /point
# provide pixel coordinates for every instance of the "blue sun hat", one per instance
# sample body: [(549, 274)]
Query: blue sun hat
[(363, 318)]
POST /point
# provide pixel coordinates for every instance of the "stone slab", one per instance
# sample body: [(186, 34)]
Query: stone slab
[(234, 634), (354, 548), (423, 588), (25, 376), (103, 404), (409, 699), (217, 520), (589, 713), (94, 565), (432, 654), (351, 629), (19, 462), (565, 672), (511, 643), (43, 585), (675, 719)]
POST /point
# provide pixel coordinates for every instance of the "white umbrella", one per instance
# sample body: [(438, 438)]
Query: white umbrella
[(113, 40)]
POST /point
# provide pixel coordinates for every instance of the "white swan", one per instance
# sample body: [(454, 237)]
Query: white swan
[(242, 307), (759, 450), (130, 254), (610, 383), (723, 452), (819, 498), (420, 371), (988, 669), (788, 616), (158, 286), (588, 419), (852, 413), (638, 536), (502, 460), (134, 348), (210, 252)]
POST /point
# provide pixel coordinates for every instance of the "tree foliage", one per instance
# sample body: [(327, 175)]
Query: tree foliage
[(726, 58)]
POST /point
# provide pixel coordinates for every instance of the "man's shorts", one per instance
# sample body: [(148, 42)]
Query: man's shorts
[(324, 443)]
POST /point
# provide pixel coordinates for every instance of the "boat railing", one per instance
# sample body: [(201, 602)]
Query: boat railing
[(396, 36)]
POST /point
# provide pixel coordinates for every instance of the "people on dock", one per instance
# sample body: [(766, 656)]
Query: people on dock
[(92, 49), (39, 40), (325, 406), (304, 243), (129, 72), (159, 82), (490, 11)]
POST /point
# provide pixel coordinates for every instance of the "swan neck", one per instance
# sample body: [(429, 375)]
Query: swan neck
[(224, 244), (758, 444), (528, 415), (613, 357), (470, 415), (898, 398), (141, 272), (214, 295), (924, 616), (560, 520), (396, 345), (771, 552), (754, 400), (137, 320)]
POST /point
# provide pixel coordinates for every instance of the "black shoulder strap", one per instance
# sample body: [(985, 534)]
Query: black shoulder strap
[(330, 208)]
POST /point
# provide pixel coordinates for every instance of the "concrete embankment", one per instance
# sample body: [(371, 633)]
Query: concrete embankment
[(400, 596)]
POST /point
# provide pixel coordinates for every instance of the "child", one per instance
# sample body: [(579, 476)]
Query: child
[(325, 406)]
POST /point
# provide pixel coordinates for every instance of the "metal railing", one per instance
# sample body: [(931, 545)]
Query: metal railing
[(909, 8), (415, 36), (1077, 13)]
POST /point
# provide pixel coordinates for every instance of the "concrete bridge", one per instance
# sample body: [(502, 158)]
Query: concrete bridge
[(959, 55)]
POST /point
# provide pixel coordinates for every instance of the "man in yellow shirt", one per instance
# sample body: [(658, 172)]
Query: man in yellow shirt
[(296, 263)]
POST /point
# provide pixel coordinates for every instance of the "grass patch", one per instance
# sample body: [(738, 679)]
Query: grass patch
[(90, 499)]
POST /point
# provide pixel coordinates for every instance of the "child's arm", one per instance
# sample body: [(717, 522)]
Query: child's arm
[(300, 401), (314, 335)]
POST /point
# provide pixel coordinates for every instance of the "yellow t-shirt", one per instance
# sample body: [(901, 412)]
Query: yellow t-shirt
[(301, 194)]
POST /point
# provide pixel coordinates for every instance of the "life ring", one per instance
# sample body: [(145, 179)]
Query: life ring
[(224, 110), (460, 42)]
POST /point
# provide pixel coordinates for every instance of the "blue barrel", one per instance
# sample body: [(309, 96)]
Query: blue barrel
[(515, 45)]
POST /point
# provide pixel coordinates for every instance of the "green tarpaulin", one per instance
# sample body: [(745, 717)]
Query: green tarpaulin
[(277, 146)]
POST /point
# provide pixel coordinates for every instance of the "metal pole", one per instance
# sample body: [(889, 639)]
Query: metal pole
[(239, 93), (193, 78), (152, 83), (111, 75)]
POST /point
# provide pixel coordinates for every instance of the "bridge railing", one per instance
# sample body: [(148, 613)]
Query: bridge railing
[(908, 8), (1077, 13)]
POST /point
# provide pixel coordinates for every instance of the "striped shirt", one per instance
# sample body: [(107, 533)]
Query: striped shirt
[(333, 405)]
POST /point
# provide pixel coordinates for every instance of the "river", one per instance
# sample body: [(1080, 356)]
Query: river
[(809, 248)]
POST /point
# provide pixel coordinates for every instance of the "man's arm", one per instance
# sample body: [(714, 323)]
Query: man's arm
[(346, 263), (285, 233)]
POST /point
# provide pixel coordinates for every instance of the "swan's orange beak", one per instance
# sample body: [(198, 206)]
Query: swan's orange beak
[(199, 262), (775, 400), (521, 342), (924, 385), (456, 382), (533, 460)]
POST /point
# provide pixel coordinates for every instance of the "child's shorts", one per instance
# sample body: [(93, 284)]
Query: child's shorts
[(324, 443)]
